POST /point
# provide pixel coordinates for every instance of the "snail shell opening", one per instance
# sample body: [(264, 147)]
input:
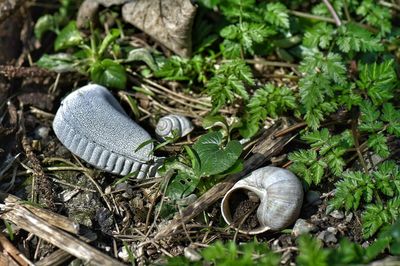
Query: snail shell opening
[(280, 194), (229, 203)]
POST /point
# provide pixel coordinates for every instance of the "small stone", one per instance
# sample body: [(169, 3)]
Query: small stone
[(349, 217), (332, 230), (337, 214), (313, 197), (275, 245), (302, 227), (42, 132), (123, 254), (327, 237), (191, 254)]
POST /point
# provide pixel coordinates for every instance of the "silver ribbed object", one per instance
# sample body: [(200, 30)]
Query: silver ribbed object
[(91, 124)]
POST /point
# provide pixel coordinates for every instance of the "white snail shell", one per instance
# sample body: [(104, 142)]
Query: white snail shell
[(170, 123), (92, 124), (280, 194)]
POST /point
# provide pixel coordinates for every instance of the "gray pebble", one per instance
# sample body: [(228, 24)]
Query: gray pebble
[(337, 214), (349, 217), (302, 227), (42, 132), (327, 237), (191, 254)]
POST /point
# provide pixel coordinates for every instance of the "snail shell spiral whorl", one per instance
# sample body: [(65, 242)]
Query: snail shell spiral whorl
[(170, 123)]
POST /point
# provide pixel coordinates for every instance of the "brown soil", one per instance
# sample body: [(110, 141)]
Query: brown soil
[(245, 214)]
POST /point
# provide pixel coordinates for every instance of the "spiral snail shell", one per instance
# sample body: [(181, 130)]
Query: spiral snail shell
[(173, 123), (279, 192), (92, 124)]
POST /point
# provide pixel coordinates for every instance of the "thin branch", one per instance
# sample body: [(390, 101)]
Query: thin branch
[(333, 12)]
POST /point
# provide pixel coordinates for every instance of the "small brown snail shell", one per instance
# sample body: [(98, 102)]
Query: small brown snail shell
[(170, 123), (280, 194)]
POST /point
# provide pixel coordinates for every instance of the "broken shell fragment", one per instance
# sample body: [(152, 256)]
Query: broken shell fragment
[(169, 124), (92, 124), (280, 194)]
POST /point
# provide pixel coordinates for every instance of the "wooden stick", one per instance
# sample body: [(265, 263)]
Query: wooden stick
[(13, 251), (52, 218), (267, 147), (58, 257), (30, 222)]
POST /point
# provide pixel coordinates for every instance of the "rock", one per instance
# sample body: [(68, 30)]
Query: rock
[(191, 254), (42, 132), (349, 217), (302, 227), (169, 22), (327, 237), (337, 214), (124, 254), (313, 197)]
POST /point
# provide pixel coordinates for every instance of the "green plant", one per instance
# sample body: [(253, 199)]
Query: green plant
[(230, 253), (228, 83), (210, 158), (379, 192), (327, 153), (55, 21), (268, 101), (91, 56)]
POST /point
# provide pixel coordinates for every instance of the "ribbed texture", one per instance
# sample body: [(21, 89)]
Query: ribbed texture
[(95, 153)]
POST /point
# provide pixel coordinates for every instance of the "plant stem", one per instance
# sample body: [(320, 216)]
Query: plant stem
[(333, 12), (390, 5), (310, 16), (355, 137)]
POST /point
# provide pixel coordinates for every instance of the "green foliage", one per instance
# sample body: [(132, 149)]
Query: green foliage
[(347, 38), (379, 192), (324, 77), (213, 156), (311, 253), (246, 254), (267, 101), (108, 73), (88, 57), (378, 80), (327, 153), (54, 22), (229, 83), (178, 68), (242, 37), (376, 15), (347, 253), (69, 36)]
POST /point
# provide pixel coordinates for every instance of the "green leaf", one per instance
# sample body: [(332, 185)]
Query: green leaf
[(354, 38), (142, 54), (108, 40), (311, 252), (108, 73), (320, 35), (277, 14), (378, 143), (182, 185), (68, 37), (60, 62), (214, 157), (378, 80), (43, 24)]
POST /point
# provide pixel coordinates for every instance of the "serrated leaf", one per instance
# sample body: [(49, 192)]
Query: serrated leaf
[(379, 144), (108, 73)]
